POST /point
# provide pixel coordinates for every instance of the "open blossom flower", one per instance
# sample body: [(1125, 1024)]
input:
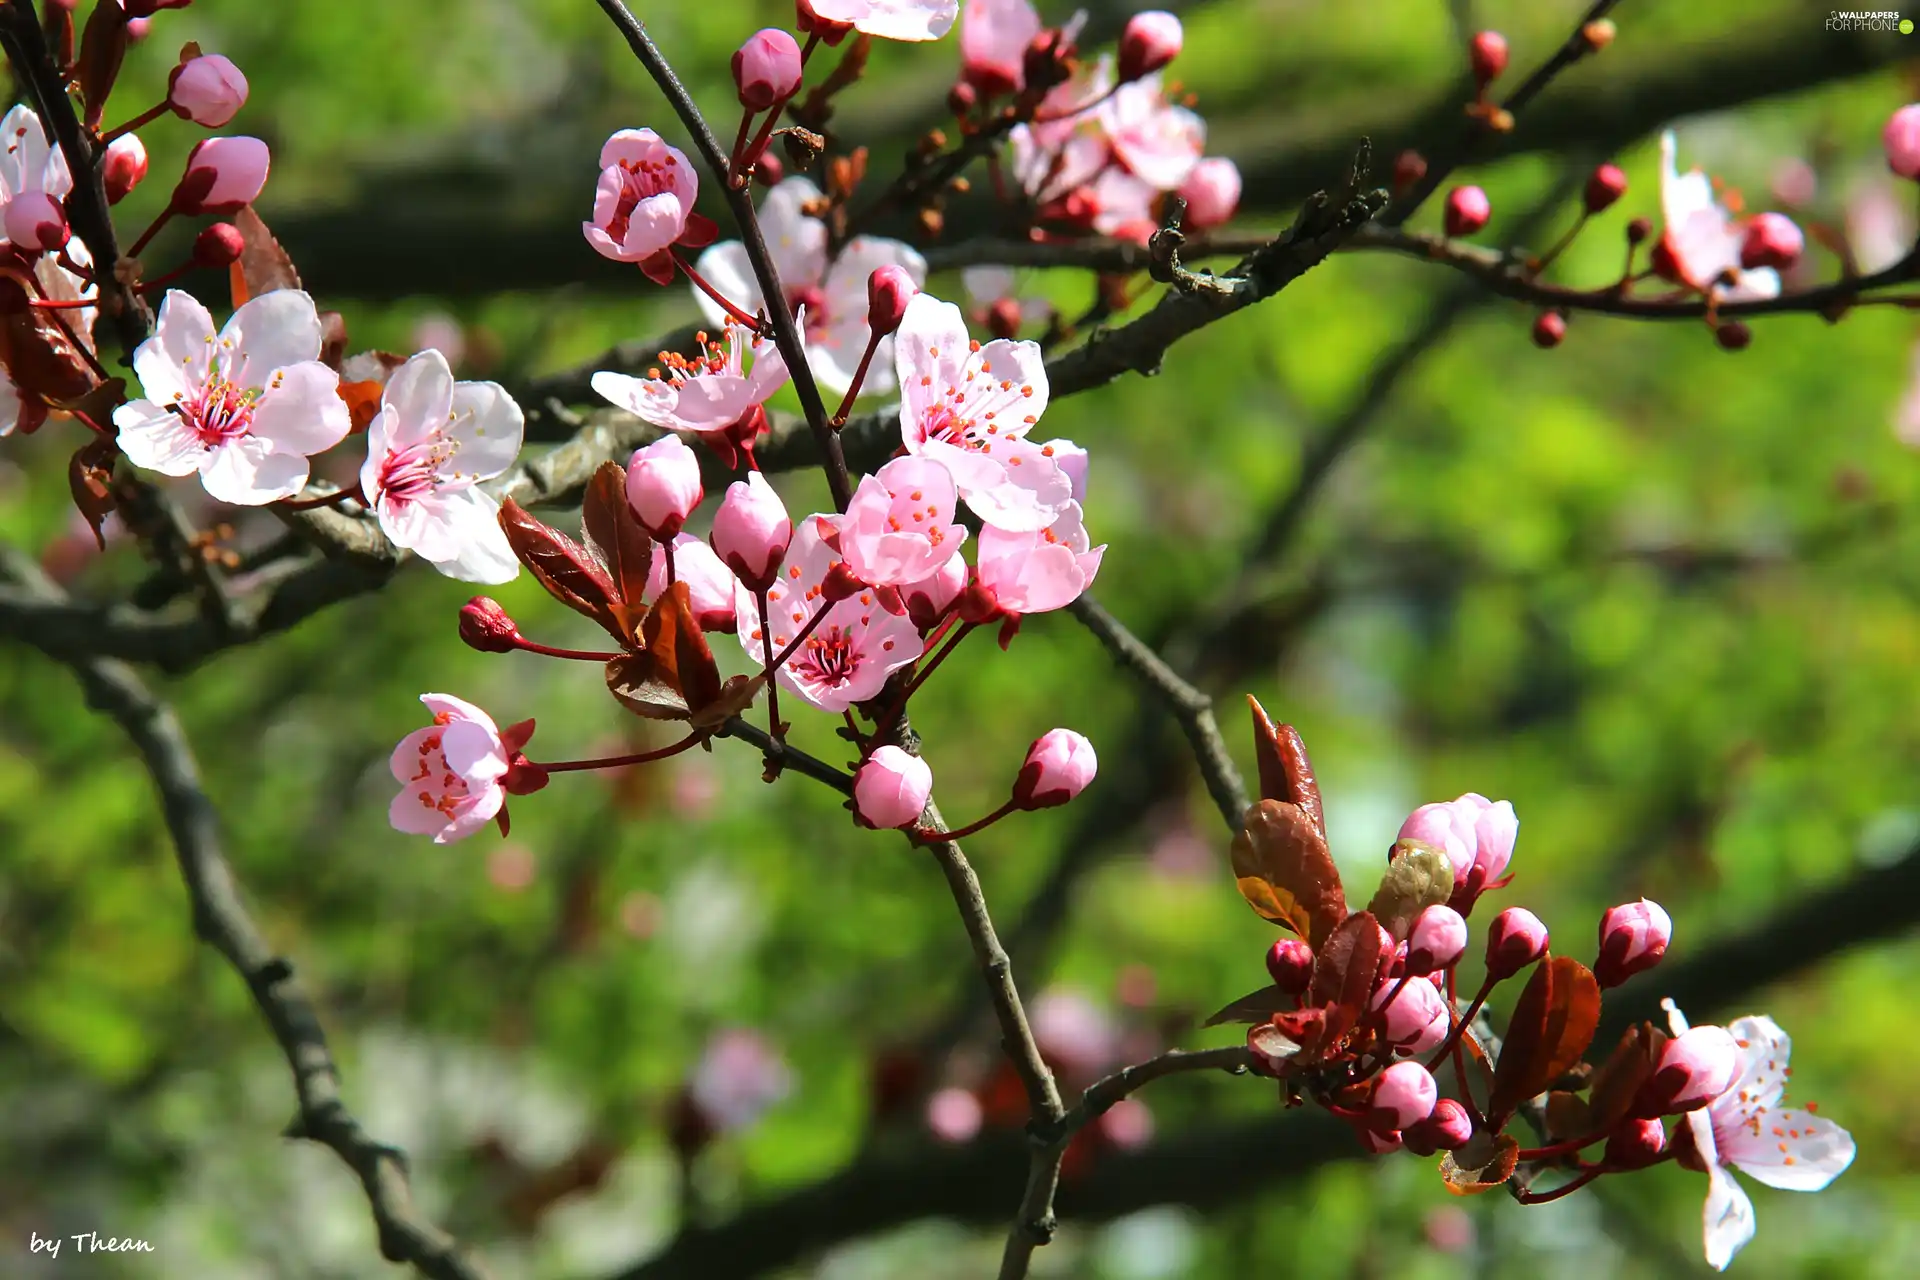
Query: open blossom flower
[(969, 407), (1067, 146), (27, 161), (429, 448), (450, 773), (244, 408), (1038, 570), (1477, 836), (643, 204), (994, 35), (714, 395), (833, 295), (849, 655), (1747, 1128), (892, 19), (1159, 141), (899, 528), (1702, 239)]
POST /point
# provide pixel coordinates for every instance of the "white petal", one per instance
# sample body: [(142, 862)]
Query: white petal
[(445, 704), (416, 817), (301, 410), (727, 268), (156, 440), (421, 396), (1727, 1218), (473, 752), (797, 242), (271, 332), (249, 472), (1792, 1150), (9, 406), (174, 362), (487, 426), (480, 552)]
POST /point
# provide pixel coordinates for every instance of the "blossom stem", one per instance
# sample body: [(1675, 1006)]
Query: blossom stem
[(349, 494), (761, 139), (773, 685), (548, 651), (884, 724), (64, 304), (614, 762), (1558, 1149), (806, 50), (30, 284), (153, 229), (859, 376), (666, 549), (781, 659), (1565, 1189), (68, 265), (927, 835), (1453, 1036), (735, 169), (1545, 260), (700, 283), (144, 118)]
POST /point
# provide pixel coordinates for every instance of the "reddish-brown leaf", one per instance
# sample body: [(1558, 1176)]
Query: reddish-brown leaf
[(614, 536), (1255, 1006), (263, 266), (672, 635), (642, 688), (562, 566), (1344, 970), (1481, 1165), (1552, 1025), (1285, 772), (736, 695), (1282, 868), (90, 479), (40, 352), (1618, 1080)]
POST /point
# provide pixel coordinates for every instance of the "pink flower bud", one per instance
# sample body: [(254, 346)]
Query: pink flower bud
[(1515, 940), (1772, 241), (1380, 1144), (1058, 767), (1212, 193), (889, 290), (1606, 185), (1417, 1019), (485, 626), (223, 175), (125, 165), (208, 90), (891, 788), (1635, 1144), (219, 245), (1150, 41), (35, 222), (1403, 1094), (1633, 937), (1695, 1068), (1487, 54), (1438, 939), (1901, 138), (927, 599), (1467, 211), (1447, 1129), (663, 485), (751, 530), (1290, 963), (767, 69), (1004, 318)]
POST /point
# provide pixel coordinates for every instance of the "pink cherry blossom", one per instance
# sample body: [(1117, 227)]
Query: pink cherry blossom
[(450, 772), (1075, 1034), (1403, 1094), (850, 654), (739, 1076), (28, 163), (1633, 938), (834, 295), (222, 175), (1212, 193), (663, 485), (1157, 140), (208, 90), (35, 223), (1040, 570), (1149, 42), (429, 448), (641, 204), (715, 395), (1702, 239), (767, 68), (124, 167), (244, 408), (1515, 939), (1476, 834), (954, 1115), (711, 586), (912, 20), (994, 35), (1066, 146), (891, 788), (1439, 938), (1745, 1127), (899, 528), (969, 407), (1695, 1067), (1122, 205)]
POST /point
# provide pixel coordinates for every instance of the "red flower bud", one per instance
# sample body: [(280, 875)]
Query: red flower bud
[(1487, 53), (1408, 168), (1467, 211), (1058, 767), (1290, 964), (1604, 186), (1635, 1144), (1549, 329), (125, 165), (217, 246), (485, 626), (889, 290), (1150, 41), (1515, 940), (1732, 335), (1772, 241), (1448, 1129)]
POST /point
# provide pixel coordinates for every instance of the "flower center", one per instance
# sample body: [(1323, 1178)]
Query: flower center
[(219, 412), (412, 473), (828, 657), (638, 180), (433, 776)]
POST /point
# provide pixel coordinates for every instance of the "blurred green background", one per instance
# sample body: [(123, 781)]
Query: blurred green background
[(1662, 597)]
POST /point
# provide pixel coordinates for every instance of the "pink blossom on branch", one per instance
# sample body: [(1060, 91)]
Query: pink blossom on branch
[(222, 176), (1901, 140), (899, 528), (1149, 42), (1746, 1128), (450, 773), (1039, 570), (1633, 938), (834, 296), (712, 590), (1212, 193), (912, 20), (994, 36), (1059, 766), (244, 408), (891, 789), (1158, 141), (28, 163), (970, 407), (643, 203), (849, 655), (663, 485), (714, 395), (751, 531), (1700, 243), (208, 90), (767, 69), (429, 448), (124, 166), (1475, 833)]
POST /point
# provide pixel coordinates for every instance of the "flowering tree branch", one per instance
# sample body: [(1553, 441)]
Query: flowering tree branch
[(221, 920)]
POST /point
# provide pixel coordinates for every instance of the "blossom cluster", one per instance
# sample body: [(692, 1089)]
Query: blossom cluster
[(1364, 1017)]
